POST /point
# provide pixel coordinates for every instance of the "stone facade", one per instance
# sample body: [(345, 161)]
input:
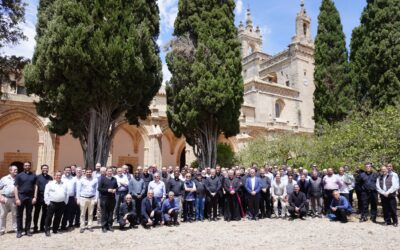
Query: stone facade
[(278, 98)]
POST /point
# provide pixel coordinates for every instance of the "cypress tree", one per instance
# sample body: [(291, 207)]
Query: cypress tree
[(95, 62), (205, 92), (375, 55), (333, 93)]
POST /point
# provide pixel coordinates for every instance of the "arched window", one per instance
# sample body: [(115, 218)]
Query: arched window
[(305, 27), (279, 105)]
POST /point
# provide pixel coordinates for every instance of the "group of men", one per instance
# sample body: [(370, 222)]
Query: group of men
[(152, 197)]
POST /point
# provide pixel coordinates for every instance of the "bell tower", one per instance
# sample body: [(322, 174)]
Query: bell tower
[(303, 31), (250, 38)]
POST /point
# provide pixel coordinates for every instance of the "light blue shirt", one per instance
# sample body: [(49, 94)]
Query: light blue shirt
[(158, 188), (7, 186), (87, 187), (70, 183)]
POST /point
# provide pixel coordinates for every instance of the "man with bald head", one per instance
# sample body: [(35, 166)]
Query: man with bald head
[(231, 187), (122, 190), (7, 199), (331, 182), (369, 194), (297, 203), (151, 211), (387, 185)]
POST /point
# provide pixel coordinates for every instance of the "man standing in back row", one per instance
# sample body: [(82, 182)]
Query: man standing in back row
[(387, 185), (42, 180), (369, 195), (107, 188), (25, 197)]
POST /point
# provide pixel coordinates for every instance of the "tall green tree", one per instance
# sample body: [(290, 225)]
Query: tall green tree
[(95, 62), (333, 96), (375, 55), (12, 14), (205, 92)]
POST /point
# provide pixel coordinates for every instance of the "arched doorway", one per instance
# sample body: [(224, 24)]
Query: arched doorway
[(19, 165), (182, 158)]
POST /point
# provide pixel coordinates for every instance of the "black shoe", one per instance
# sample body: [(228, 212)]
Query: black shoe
[(291, 219), (90, 229), (82, 230), (47, 233), (395, 224), (110, 229), (363, 219), (28, 233), (373, 219), (55, 232), (35, 230), (302, 218), (19, 234), (104, 230)]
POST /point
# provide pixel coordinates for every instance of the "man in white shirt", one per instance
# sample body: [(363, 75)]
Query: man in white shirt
[(158, 188), (55, 197), (87, 195), (7, 199), (69, 212), (387, 186), (278, 192), (123, 189)]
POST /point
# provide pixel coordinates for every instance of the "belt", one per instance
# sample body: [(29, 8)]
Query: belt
[(89, 197)]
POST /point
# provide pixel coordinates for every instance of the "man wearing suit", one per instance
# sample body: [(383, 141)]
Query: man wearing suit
[(151, 212), (127, 213), (253, 187)]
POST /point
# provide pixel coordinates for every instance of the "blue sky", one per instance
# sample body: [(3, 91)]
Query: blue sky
[(276, 19)]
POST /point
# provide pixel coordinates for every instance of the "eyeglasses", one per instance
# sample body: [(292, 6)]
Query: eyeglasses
[(27, 165)]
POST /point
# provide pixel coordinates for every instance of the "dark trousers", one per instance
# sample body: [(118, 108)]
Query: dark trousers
[(327, 200), (351, 197), (138, 205), (77, 215), (69, 213), (389, 206), (107, 210), (359, 201), (131, 219), (188, 214), (254, 205), (212, 202), (221, 203), (302, 212), (232, 209), (369, 198), (39, 206), (119, 198), (265, 204), (26, 204), (172, 217), (156, 219), (341, 215), (56, 210)]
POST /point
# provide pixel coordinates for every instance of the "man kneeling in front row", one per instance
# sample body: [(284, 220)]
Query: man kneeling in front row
[(297, 203), (127, 213), (151, 211), (170, 210), (340, 207)]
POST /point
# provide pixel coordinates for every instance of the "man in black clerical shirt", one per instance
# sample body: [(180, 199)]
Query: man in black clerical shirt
[(25, 198), (40, 205)]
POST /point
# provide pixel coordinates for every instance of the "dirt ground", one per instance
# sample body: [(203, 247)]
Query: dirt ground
[(267, 233)]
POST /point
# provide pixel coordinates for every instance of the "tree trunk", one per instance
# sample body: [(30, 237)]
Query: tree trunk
[(205, 144), (98, 136)]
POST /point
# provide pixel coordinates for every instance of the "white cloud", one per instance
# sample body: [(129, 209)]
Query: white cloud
[(166, 74), (265, 30), (239, 7), (26, 47), (168, 13)]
